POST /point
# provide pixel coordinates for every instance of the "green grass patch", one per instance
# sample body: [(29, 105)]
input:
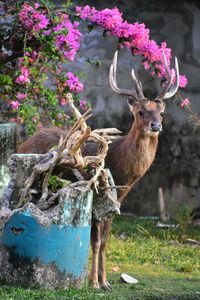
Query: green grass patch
[(165, 267)]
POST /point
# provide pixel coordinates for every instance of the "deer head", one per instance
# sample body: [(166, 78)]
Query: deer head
[(148, 114)]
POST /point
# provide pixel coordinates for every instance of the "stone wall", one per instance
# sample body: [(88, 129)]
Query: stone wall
[(176, 167)]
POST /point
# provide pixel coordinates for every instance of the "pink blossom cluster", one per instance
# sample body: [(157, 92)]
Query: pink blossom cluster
[(107, 18), (23, 78), (32, 19), (83, 104), (185, 102), (73, 83), (65, 34), (67, 38), (14, 104), (20, 97), (133, 36), (63, 101)]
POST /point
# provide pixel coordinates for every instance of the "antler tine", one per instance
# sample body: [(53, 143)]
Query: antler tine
[(162, 95), (166, 65), (175, 87), (170, 89), (113, 82), (138, 85)]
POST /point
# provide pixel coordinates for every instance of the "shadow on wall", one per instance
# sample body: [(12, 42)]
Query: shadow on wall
[(176, 165)]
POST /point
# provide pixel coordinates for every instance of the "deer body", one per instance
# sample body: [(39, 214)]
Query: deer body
[(128, 157)]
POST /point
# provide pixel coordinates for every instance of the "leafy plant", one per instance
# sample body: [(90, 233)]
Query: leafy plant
[(55, 183)]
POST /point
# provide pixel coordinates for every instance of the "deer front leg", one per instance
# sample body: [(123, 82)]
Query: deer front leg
[(104, 284), (95, 245)]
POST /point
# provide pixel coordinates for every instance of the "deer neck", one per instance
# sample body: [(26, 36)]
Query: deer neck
[(131, 156), (141, 150)]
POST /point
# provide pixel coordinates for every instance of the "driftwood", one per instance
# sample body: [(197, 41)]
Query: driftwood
[(68, 154)]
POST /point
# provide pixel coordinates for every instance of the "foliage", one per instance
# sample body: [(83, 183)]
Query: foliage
[(54, 183), (165, 270), (38, 40), (48, 40)]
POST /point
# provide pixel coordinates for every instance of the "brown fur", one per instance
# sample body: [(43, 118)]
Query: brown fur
[(42, 141)]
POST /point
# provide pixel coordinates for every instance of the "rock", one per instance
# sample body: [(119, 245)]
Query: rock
[(125, 278), (166, 226)]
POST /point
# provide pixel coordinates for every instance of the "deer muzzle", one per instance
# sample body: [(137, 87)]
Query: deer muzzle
[(156, 126)]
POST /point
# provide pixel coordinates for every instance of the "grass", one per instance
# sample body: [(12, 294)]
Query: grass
[(165, 267)]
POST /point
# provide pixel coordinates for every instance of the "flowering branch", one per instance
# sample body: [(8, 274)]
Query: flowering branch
[(133, 36), (52, 38), (186, 103)]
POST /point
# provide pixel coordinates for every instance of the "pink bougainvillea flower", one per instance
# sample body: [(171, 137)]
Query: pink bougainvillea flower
[(15, 104), (41, 22), (23, 78), (183, 81), (73, 83), (63, 101), (146, 65), (83, 104), (47, 32), (32, 19), (85, 12), (67, 39), (25, 16), (21, 96), (185, 102), (36, 5)]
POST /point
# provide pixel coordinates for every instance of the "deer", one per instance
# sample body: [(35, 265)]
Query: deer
[(128, 157)]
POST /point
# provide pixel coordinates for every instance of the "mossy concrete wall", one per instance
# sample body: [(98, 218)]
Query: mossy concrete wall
[(7, 147)]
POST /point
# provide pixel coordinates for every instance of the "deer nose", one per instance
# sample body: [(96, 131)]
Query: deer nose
[(155, 126)]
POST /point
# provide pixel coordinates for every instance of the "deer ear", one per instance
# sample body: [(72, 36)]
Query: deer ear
[(133, 103)]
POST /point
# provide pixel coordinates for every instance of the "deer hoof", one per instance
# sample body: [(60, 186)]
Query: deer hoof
[(106, 286), (94, 285)]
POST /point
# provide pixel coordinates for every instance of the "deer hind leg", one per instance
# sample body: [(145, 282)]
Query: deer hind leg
[(105, 229), (95, 245)]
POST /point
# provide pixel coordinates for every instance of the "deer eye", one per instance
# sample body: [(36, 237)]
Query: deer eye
[(162, 114), (140, 112)]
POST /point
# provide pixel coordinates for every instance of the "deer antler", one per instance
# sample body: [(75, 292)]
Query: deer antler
[(169, 90), (137, 93)]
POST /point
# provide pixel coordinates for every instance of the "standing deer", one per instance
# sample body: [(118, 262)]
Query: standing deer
[(128, 157)]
